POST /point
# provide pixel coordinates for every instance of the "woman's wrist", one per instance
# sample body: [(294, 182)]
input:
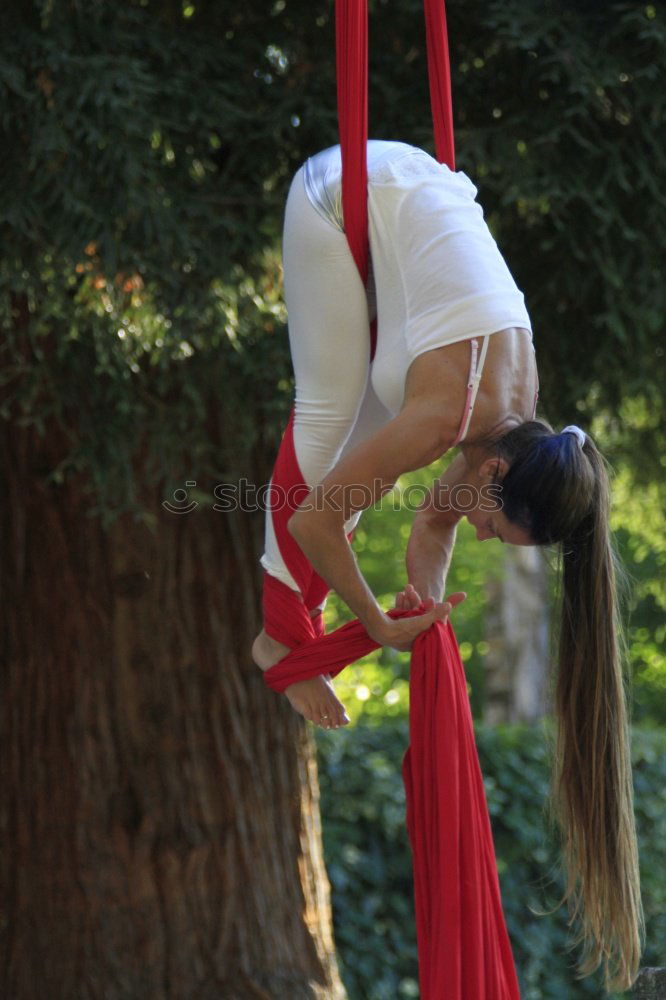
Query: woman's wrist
[(377, 625)]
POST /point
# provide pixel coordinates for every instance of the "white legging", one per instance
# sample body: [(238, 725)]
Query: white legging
[(335, 407)]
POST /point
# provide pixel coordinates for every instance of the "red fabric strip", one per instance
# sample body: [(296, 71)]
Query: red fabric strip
[(328, 656), (286, 618), (439, 77), (351, 57), (287, 491), (464, 947)]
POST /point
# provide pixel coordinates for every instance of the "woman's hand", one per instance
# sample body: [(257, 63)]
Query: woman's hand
[(408, 599), (400, 633)]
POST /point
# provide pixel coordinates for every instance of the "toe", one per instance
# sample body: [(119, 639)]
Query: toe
[(334, 707), (336, 711), (314, 717), (336, 715), (326, 723)]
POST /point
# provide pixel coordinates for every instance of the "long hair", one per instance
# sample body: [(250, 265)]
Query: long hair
[(559, 492)]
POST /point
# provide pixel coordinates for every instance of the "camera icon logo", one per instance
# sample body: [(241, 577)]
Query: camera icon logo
[(180, 497)]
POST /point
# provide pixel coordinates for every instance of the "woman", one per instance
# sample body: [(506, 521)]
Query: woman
[(451, 321), (448, 311)]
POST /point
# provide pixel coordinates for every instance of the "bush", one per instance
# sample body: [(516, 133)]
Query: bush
[(369, 859)]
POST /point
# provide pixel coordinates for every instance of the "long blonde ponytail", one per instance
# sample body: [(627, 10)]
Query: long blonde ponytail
[(557, 488), (592, 787)]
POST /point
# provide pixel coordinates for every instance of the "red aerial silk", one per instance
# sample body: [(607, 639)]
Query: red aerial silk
[(439, 75), (463, 945)]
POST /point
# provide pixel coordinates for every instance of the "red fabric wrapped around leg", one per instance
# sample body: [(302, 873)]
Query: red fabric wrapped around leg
[(287, 492)]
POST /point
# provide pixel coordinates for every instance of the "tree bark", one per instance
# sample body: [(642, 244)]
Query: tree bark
[(159, 804), (516, 628), (650, 985)]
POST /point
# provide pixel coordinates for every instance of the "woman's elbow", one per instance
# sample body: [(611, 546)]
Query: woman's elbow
[(294, 524), (308, 524), (299, 525)]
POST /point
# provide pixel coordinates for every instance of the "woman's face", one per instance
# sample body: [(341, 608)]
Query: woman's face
[(487, 516), (494, 524)]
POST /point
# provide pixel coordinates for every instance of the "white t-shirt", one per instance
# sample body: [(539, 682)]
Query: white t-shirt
[(439, 276)]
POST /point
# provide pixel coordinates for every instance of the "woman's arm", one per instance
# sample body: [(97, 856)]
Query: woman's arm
[(411, 440), (428, 557), (433, 534)]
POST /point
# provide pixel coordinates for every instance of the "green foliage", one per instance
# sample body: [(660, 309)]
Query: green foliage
[(574, 85), (369, 861), (121, 120), (149, 146), (124, 382), (139, 295), (639, 520)]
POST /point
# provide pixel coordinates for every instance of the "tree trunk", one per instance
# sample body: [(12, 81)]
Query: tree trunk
[(160, 805), (650, 985), (516, 628)]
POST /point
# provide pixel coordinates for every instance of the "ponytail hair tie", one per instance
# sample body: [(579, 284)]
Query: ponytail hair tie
[(573, 429)]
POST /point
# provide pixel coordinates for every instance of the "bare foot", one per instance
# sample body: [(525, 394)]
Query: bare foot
[(314, 698)]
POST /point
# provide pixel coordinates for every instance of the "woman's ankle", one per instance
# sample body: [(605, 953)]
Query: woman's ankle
[(267, 651)]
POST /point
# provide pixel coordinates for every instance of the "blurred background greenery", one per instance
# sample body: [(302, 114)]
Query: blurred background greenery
[(148, 150), (369, 862)]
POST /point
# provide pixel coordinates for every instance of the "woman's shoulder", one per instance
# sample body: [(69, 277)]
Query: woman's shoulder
[(438, 378)]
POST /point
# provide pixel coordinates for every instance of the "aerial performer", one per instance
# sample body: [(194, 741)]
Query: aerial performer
[(454, 365)]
